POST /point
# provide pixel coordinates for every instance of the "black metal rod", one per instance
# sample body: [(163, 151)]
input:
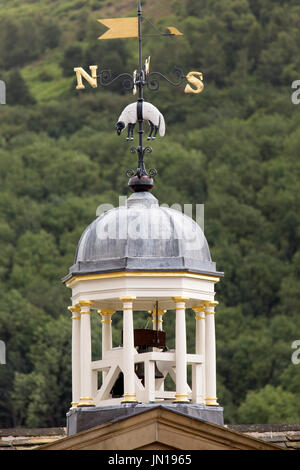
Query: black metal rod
[(140, 86)]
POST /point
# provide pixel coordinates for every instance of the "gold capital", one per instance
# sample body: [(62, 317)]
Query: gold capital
[(198, 308), (74, 308), (180, 299), (106, 312), (85, 303), (210, 303), (127, 299)]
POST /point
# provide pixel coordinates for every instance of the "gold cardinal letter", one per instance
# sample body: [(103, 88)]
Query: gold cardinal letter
[(91, 79), (196, 82)]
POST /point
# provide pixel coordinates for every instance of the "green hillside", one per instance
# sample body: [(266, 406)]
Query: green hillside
[(233, 148)]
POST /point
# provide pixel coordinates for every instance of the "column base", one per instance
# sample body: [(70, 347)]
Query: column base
[(129, 398), (211, 401), (74, 405), (85, 401), (181, 398)]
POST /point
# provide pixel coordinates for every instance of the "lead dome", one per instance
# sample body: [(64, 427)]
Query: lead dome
[(142, 235)]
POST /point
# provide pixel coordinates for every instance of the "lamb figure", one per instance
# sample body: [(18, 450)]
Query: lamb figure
[(150, 113)]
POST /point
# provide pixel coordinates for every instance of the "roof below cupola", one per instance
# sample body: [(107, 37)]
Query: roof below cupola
[(142, 235)]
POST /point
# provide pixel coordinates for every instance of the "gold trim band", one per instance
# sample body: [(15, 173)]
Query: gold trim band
[(89, 277)]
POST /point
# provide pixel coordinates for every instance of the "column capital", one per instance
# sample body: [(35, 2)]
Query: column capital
[(210, 303), (199, 308), (74, 308), (180, 299), (106, 312), (127, 298), (85, 303)]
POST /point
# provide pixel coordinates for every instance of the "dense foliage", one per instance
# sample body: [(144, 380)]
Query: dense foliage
[(234, 148)]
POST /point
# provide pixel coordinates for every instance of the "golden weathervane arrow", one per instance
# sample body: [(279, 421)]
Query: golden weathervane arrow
[(127, 28)]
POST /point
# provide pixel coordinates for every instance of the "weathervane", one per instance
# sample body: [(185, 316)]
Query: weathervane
[(139, 111)]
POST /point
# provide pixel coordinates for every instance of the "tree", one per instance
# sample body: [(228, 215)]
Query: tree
[(269, 405), (17, 90)]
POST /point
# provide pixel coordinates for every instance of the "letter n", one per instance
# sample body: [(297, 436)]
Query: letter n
[(91, 79)]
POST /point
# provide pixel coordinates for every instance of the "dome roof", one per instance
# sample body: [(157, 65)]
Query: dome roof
[(142, 236)]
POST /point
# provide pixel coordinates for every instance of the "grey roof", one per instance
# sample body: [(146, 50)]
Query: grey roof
[(142, 236)]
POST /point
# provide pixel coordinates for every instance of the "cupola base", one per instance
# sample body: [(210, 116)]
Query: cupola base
[(81, 419)]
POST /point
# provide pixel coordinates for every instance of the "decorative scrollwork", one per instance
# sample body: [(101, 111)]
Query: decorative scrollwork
[(141, 151), (153, 79), (130, 173), (153, 83), (147, 150), (105, 79), (153, 172)]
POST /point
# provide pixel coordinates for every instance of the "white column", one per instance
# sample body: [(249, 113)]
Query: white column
[(106, 334), (75, 309), (198, 371), (180, 352), (210, 354), (85, 354), (159, 383), (128, 351), (106, 330)]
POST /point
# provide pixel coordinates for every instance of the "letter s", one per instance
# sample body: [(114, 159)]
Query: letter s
[(196, 82)]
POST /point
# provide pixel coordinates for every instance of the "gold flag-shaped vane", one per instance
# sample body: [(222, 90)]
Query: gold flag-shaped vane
[(120, 28), (127, 28)]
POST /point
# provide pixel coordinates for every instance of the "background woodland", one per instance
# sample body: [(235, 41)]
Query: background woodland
[(233, 148)]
